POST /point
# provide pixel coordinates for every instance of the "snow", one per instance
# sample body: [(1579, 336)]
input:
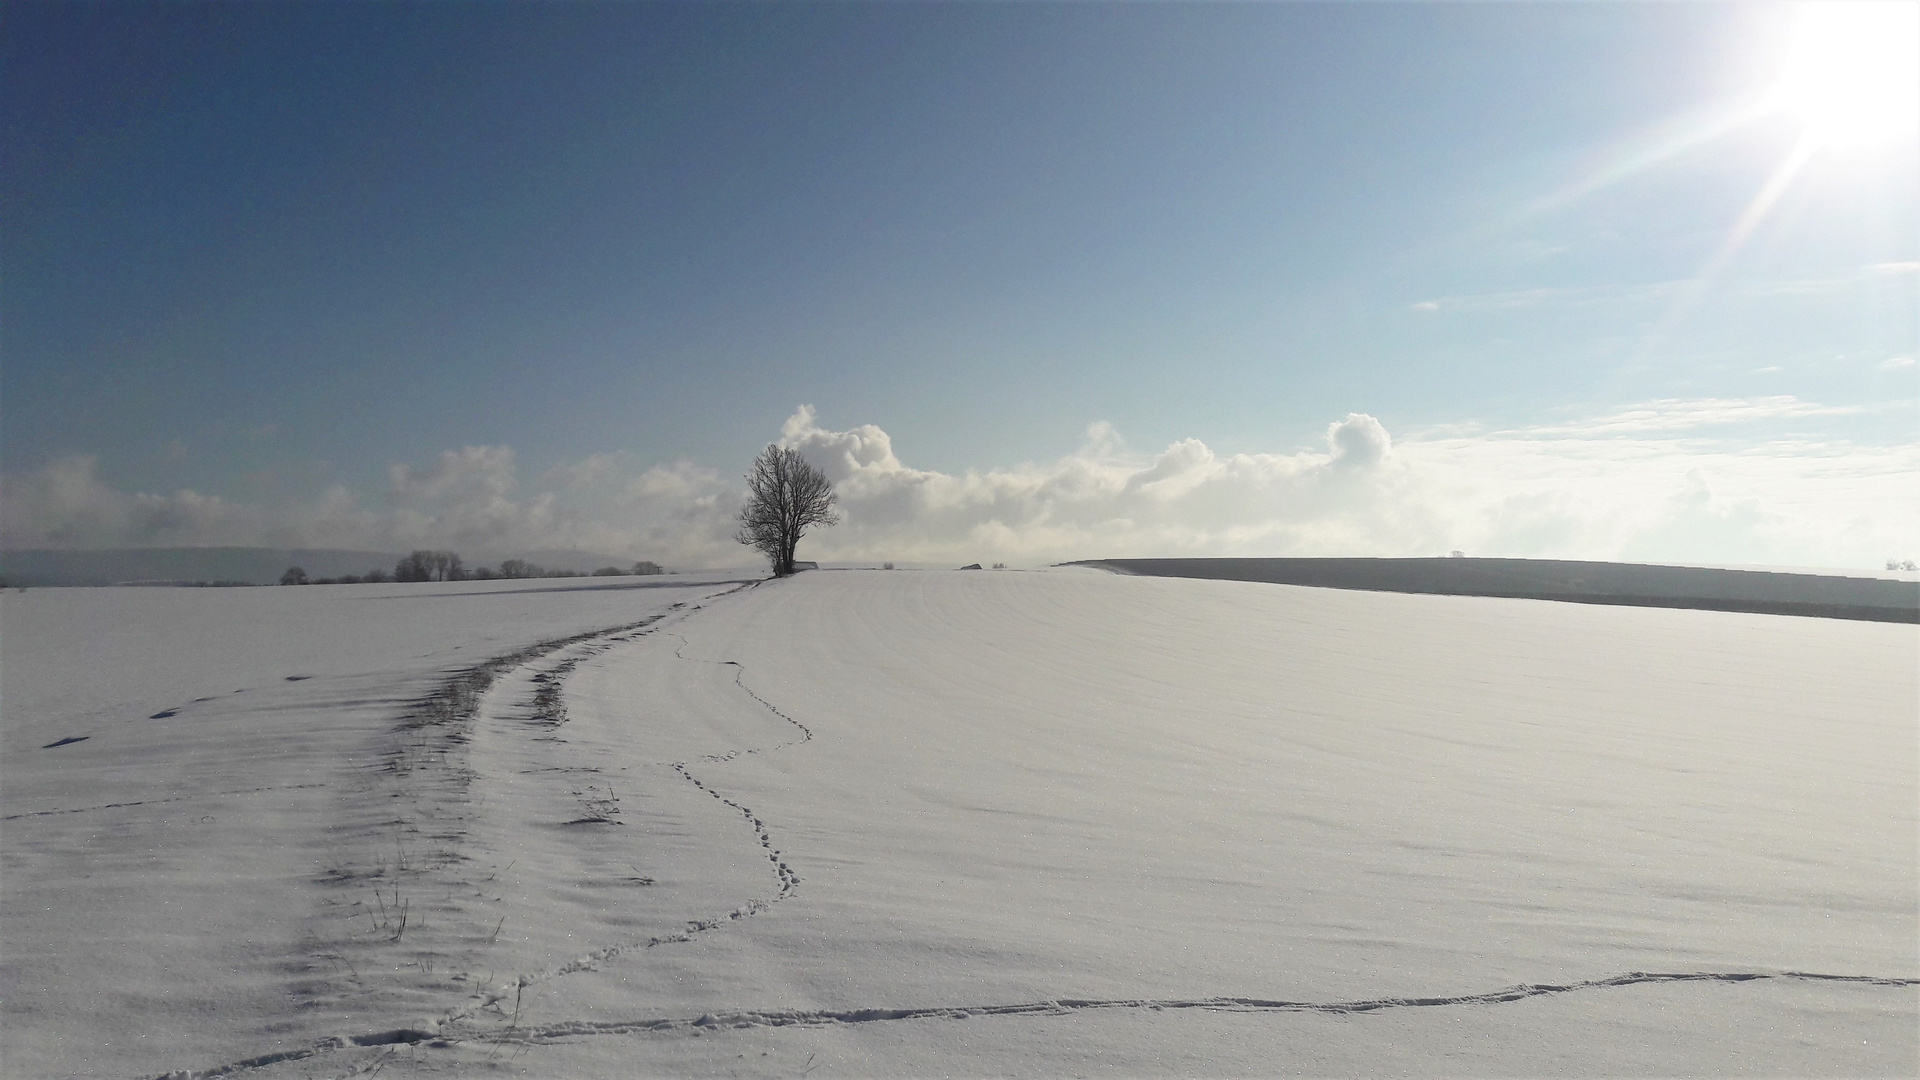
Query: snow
[(919, 823)]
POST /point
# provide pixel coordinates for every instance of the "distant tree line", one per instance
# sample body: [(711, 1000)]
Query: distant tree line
[(521, 568), (430, 566), (426, 565)]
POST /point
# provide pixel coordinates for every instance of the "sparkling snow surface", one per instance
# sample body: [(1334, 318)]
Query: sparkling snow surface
[(946, 823)]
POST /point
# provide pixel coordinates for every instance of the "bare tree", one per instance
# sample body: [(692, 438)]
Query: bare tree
[(430, 566), (785, 497)]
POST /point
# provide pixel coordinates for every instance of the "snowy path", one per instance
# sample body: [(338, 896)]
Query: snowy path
[(1065, 823), (198, 785)]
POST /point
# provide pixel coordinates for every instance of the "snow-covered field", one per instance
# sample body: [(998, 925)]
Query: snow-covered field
[(943, 823)]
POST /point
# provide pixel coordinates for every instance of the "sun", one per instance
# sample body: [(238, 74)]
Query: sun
[(1852, 73)]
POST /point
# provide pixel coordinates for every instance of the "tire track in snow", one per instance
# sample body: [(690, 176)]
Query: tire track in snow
[(788, 879), (452, 707), (550, 709)]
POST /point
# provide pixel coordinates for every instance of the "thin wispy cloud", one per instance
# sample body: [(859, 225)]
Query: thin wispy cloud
[(1516, 299), (1875, 275), (1677, 415)]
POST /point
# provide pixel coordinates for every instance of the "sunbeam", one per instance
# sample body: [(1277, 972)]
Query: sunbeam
[(1757, 209), (1640, 153)]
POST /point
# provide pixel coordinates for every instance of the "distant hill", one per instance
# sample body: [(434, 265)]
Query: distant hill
[(1633, 584), (253, 566), (241, 565), (586, 562)]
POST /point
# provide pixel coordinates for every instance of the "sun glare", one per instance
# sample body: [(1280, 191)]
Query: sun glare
[(1852, 73)]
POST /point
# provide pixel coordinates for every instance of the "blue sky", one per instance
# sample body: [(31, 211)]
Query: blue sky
[(267, 267)]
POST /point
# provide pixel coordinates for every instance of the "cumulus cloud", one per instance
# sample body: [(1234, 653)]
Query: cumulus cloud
[(1358, 442), (584, 473), (65, 504), (468, 499), (464, 498), (1639, 482)]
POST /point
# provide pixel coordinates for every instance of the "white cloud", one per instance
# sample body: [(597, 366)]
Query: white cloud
[(1896, 363), (1680, 414), (584, 473), (1654, 481), (1586, 295), (1359, 441), (474, 470), (65, 504)]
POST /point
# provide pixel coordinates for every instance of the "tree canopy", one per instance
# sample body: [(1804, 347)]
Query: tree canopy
[(785, 497)]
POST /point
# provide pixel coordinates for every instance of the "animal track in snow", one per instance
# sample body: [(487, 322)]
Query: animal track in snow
[(1060, 1006), (448, 1032), (816, 1018), (168, 799), (425, 756), (806, 733), (789, 880)]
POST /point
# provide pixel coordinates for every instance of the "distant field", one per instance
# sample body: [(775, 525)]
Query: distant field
[(858, 823), (43, 567), (1768, 592)]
